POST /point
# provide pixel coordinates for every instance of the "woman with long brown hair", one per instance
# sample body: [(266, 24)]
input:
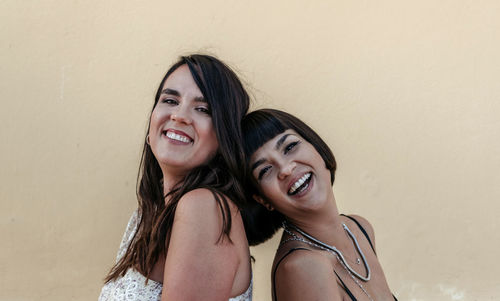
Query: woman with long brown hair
[(186, 241)]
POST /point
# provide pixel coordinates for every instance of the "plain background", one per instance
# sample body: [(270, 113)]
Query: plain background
[(405, 92)]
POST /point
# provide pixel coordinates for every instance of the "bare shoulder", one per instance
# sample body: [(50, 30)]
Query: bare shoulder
[(306, 275), (300, 265), (366, 225), (195, 200), (198, 210), (201, 214), (301, 260), (199, 203)]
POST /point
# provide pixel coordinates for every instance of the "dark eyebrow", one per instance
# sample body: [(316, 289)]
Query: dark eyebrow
[(280, 142), (257, 163), (200, 99), (278, 145), (176, 93), (171, 92)]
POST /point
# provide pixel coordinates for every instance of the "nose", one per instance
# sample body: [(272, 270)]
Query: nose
[(181, 116), (286, 169)]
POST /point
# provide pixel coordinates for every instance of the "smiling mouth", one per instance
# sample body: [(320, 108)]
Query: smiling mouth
[(301, 184), (177, 137)]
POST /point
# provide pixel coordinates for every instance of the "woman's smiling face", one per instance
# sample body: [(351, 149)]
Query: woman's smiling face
[(290, 174), (181, 131)]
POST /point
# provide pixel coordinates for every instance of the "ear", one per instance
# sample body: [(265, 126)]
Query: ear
[(263, 202)]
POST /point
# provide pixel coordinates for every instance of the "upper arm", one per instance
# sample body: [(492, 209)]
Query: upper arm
[(367, 226), (304, 275), (198, 266)]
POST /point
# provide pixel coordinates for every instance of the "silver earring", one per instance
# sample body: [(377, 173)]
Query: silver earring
[(147, 139)]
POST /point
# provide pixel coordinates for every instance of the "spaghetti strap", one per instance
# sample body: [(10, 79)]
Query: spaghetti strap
[(362, 230), (345, 287), (349, 292), (276, 268), (370, 241)]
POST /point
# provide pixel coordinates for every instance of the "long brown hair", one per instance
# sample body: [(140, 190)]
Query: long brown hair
[(228, 103)]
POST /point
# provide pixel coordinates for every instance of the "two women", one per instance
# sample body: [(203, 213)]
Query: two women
[(322, 255), (186, 241)]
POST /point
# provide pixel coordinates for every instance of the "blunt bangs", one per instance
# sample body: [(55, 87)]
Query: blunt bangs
[(263, 125), (258, 127)]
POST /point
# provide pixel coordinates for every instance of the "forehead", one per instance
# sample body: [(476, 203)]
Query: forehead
[(181, 79), (270, 146)]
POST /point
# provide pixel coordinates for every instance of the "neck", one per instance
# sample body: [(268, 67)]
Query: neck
[(170, 179), (326, 227), (324, 224)]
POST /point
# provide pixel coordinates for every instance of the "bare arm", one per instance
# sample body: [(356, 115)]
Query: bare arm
[(306, 276), (198, 267)]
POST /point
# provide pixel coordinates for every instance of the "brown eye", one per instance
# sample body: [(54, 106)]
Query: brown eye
[(263, 171), (290, 146), (204, 110), (170, 101)]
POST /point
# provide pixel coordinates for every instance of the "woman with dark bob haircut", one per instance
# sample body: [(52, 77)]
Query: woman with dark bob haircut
[(323, 255), (186, 240)]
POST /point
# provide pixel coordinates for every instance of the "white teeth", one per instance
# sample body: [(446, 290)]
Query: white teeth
[(299, 182), (177, 137)]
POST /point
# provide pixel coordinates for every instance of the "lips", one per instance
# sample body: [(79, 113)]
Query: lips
[(177, 135), (300, 184)]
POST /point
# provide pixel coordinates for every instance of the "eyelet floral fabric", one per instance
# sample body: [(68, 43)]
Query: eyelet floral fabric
[(132, 286)]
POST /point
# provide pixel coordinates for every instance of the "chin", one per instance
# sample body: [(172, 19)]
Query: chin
[(313, 203)]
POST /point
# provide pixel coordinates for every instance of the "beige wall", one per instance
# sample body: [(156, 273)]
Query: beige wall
[(405, 92)]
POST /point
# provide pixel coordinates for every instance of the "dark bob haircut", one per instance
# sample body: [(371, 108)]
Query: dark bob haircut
[(259, 127)]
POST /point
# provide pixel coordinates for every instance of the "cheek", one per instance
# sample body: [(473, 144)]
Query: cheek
[(208, 136), (270, 190), (157, 116), (153, 128), (275, 198), (214, 146)]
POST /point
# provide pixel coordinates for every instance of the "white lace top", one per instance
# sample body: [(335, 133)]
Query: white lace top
[(132, 285)]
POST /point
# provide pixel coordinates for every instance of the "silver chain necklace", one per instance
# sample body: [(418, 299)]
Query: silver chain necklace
[(331, 249)]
